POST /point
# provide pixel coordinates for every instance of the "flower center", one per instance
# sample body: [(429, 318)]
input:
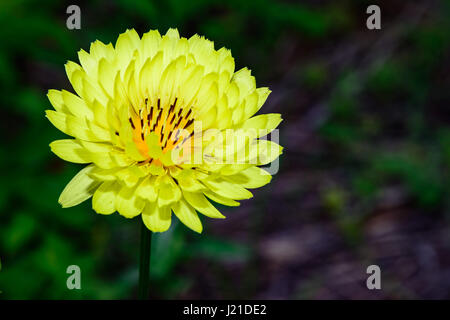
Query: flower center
[(171, 124)]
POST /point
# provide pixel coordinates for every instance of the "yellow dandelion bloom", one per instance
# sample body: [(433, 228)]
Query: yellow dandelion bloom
[(165, 124)]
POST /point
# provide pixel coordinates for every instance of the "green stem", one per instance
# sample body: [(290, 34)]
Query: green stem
[(144, 262)]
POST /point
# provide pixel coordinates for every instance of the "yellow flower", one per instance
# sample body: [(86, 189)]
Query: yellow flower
[(133, 118)]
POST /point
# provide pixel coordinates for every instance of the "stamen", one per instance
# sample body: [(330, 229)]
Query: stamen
[(132, 124), (150, 115), (178, 123), (173, 118), (188, 123), (161, 137), (163, 123), (172, 107)]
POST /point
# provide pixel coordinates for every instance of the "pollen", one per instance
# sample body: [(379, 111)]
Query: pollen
[(172, 124)]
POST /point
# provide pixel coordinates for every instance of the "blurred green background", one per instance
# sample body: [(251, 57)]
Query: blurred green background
[(364, 178)]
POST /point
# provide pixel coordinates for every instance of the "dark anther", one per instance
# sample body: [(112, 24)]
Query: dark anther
[(116, 133), (157, 119), (159, 103), (189, 112), (168, 137), (173, 118), (171, 108), (188, 123), (160, 115), (178, 122), (132, 124), (150, 115), (161, 137)]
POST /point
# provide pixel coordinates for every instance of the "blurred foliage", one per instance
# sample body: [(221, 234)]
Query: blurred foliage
[(388, 130)]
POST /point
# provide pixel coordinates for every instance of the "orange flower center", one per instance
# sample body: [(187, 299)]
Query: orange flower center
[(173, 125)]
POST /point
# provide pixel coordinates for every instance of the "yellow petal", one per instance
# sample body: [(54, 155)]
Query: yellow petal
[(251, 105), (238, 113), (77, 128), (168, 45), (75, 74), (150, 75), (155, 218), (88, 62), (99, 50), (263, 93), (110, 160), (263, 152), (203, 51), (147, 189), (191, 84), (168, 191), (101, 174), (263, 124), (227, 189), (207, 95), (100, 114), (70, 150), (189, 183), (127, 203), (127, 177), (104, 198), (105, 155), (79, 189), (219, 199), (245, 81), (55, 97), (201, 204), (233, 95), (150, 43), (107, 76), (170, 80), (187, 215), (76, 105), (223, 119), (231, 169), (226, 61), (126, 44), (251, 178)]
